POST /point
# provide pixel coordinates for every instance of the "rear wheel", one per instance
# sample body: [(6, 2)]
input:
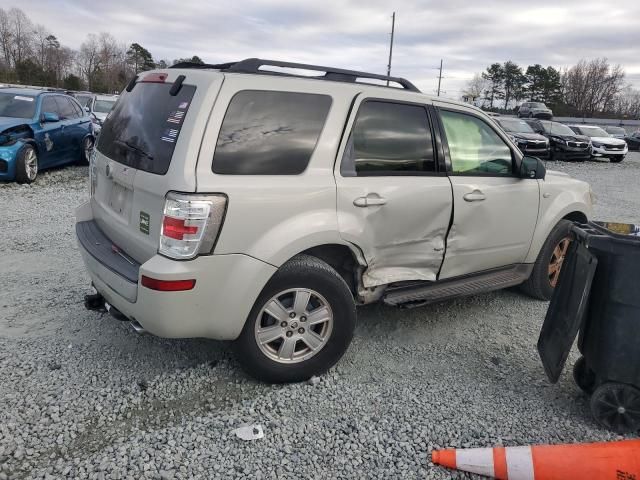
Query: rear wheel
[(301, 324), (546, 270), (27, 164), (616, 407)]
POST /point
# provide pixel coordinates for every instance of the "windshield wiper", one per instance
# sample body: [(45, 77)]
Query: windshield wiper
[(134, 148)]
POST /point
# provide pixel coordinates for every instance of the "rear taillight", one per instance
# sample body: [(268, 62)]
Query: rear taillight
[(167, 285), (190, 224)]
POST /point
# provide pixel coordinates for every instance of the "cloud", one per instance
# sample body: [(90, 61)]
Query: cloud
[(468, 36)]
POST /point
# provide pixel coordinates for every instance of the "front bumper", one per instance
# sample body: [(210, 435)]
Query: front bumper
[(571, 153), (217, 307), (604, 152), (536, 152), (8, 156), (542, 115)]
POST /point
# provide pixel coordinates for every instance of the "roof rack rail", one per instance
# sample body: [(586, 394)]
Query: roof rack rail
[(253, 65)]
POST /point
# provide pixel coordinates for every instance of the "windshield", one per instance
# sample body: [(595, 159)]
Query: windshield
[(515, 126), (538, 105), (593, 132), (142, 129), (616, 130), (557, 128), (103, 106), (17, 106)]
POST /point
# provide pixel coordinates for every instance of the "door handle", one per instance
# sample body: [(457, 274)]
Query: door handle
[(475, 196), (371, 200)]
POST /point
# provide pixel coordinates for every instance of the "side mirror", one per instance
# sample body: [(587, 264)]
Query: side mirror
[(50, 117), (532, 167)]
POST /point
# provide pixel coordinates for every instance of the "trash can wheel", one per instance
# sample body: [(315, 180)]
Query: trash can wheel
[(616, 406), (585, 377)]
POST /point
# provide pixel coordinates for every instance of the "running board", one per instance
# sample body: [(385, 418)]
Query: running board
[(430, 292)]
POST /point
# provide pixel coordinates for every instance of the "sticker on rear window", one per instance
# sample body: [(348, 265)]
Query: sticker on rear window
[(24, 99), (145, 221), (176, 117), (170, 135)]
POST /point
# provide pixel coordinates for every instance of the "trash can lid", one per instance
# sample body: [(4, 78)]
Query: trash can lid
[(627, 229)]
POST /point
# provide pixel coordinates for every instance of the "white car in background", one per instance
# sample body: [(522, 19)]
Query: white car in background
[(603, 145), (102, 105)]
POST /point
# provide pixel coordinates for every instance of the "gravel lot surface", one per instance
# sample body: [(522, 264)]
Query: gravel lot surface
[(83, 396)]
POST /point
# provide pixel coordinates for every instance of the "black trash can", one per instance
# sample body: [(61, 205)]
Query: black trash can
[(598, 295)]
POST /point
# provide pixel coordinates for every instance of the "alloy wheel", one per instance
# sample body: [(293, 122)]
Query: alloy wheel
[(31, 164), (294, 325), (557, 258)]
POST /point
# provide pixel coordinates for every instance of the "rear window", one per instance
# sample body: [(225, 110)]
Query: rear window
[(142, 129), (270, 133)]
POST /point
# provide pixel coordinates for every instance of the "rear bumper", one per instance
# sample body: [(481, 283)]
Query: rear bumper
[(217, 307)]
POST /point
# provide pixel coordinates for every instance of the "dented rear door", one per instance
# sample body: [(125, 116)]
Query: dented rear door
[(393, 203)]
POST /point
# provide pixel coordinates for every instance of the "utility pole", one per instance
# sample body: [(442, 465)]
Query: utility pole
[(393, 25), (440, 77)]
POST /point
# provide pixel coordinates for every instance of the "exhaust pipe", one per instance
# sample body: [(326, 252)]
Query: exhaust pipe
[(137, 327)]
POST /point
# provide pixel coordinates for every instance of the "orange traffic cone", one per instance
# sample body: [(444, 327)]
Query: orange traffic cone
[(586, 461)]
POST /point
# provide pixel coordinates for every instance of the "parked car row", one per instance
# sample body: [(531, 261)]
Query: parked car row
[(557, 141)]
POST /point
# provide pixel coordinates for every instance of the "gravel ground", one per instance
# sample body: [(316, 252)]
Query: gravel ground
[(83, 396)]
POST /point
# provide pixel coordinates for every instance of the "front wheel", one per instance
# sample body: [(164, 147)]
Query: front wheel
[(546, 270), (301, 324), (27, 164), (87, 149)]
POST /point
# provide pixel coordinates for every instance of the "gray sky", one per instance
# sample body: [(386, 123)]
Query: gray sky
[(467, 34)]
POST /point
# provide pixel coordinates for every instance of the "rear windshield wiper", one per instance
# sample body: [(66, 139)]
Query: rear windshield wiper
[(134, 148)]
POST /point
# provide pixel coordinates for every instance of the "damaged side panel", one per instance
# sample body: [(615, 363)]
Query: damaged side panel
[(11, 135), (404, 237)]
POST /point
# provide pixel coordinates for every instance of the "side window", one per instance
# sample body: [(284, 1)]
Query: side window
[(77, 108), (66, 108), (475, 148), (269, 133), (389, 139), (49, 105)]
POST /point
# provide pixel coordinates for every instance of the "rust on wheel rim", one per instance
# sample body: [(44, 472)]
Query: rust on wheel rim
[(557, 258)]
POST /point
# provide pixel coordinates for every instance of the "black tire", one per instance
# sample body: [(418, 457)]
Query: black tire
[(538, 284), (24, 166), (616, 407), (301, 272), (585, 377), (616, 159), (530, 115), (85, 151)]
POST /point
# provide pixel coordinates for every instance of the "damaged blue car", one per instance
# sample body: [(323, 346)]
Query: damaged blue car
[(41, 129)]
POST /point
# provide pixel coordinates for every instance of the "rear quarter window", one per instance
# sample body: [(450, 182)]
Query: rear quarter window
[(269, 133)]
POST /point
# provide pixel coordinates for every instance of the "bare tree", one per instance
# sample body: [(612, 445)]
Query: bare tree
[(6, 36), (89, 59), (22, 35), (475, 87), (591, 87)]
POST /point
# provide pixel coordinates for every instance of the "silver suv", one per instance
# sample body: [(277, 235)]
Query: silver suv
[(243, 202), (535, 110)]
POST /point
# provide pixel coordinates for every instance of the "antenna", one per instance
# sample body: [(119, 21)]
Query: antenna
[(440, 77), (393, 25)]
